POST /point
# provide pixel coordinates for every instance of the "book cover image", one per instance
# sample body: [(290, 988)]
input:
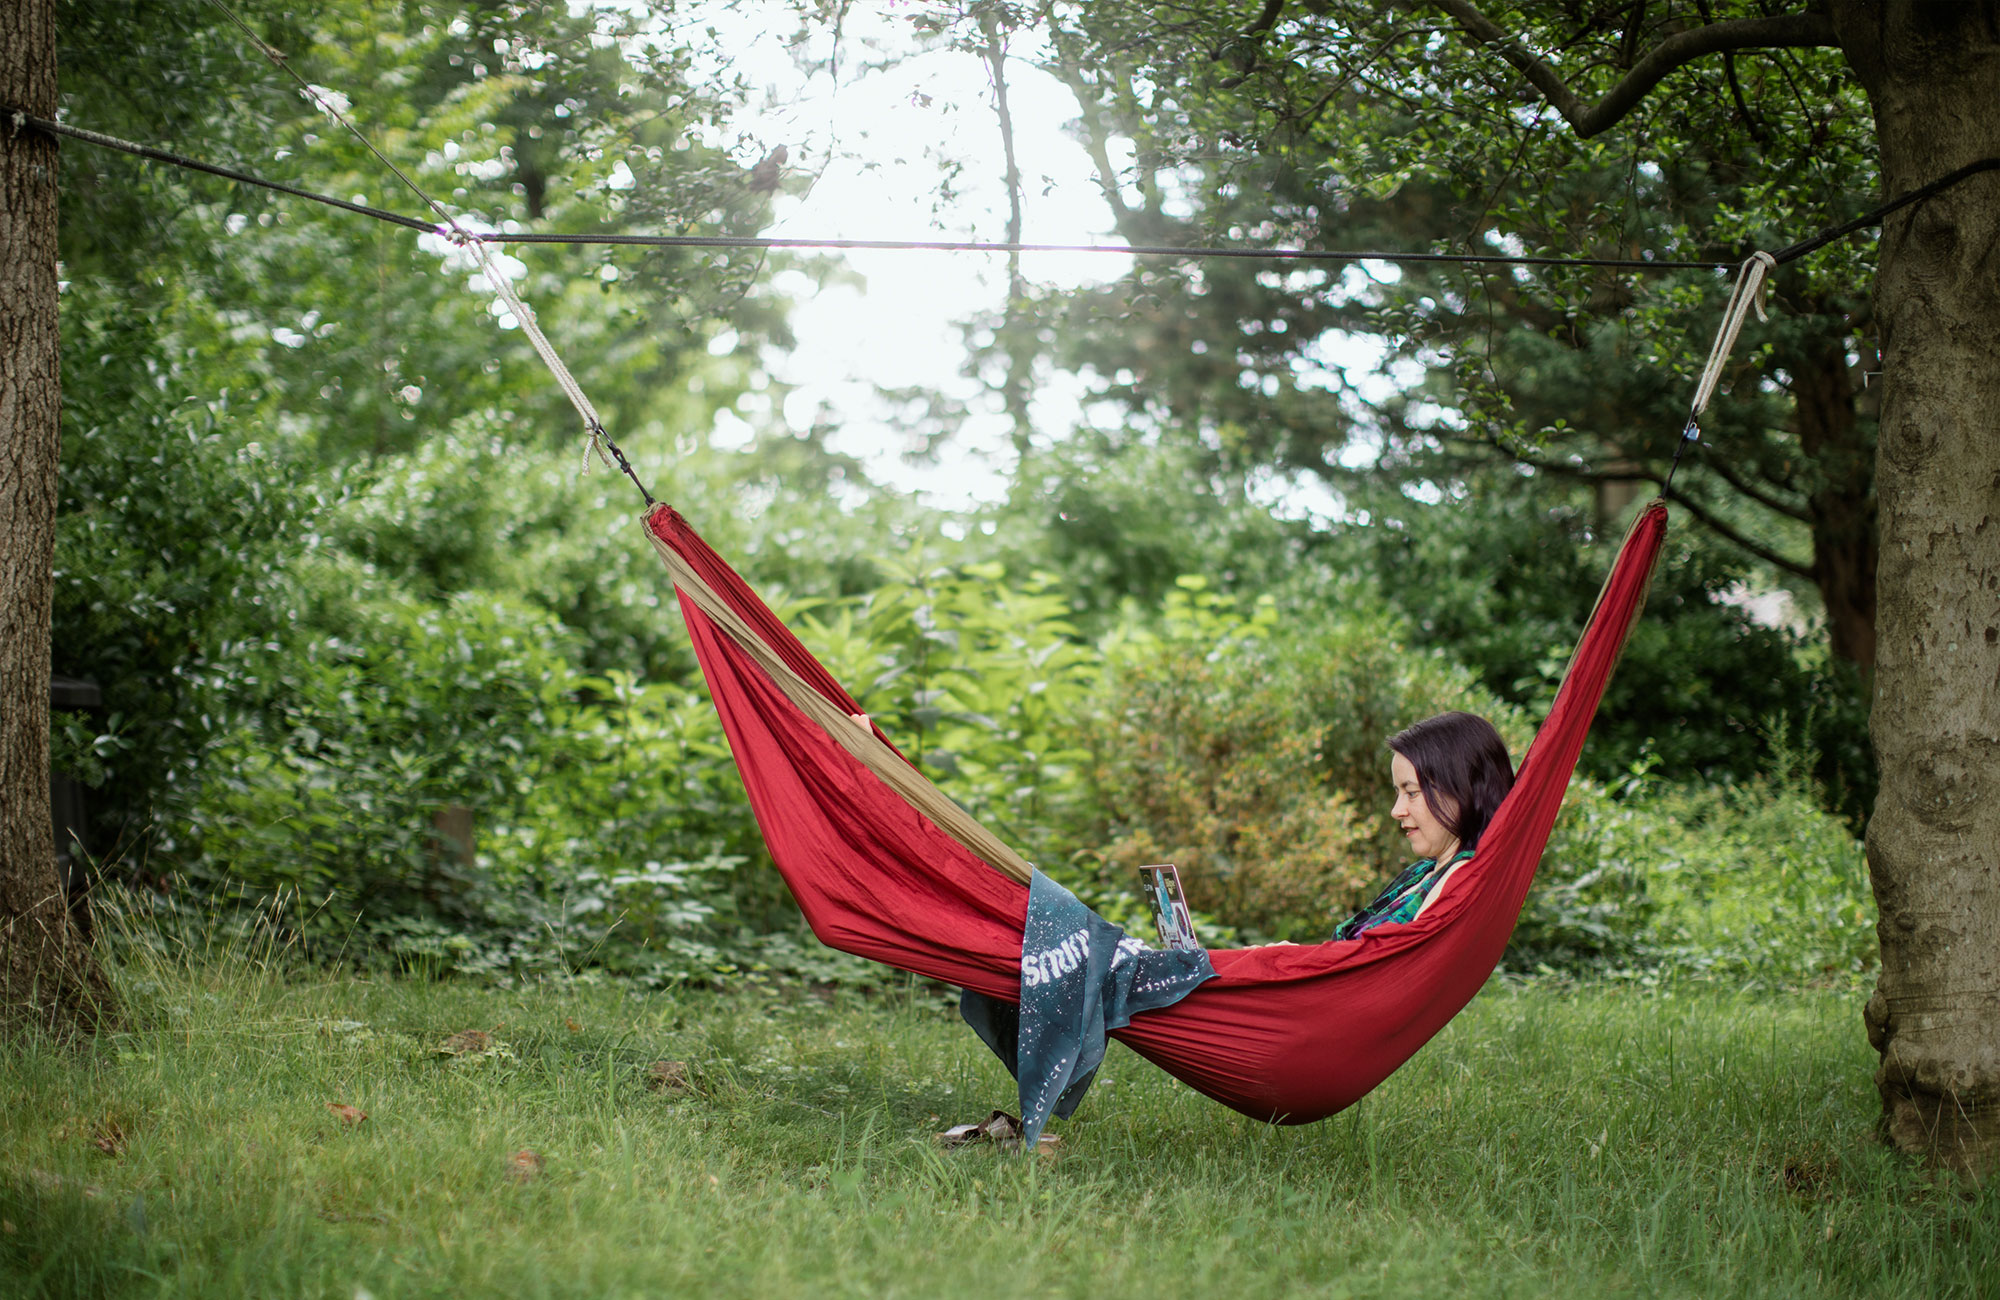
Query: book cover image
[(1162, 884)]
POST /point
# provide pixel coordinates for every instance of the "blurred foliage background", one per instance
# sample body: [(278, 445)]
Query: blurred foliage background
[(374, 654)]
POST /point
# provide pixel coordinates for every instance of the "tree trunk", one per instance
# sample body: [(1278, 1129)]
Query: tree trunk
[(1017, 342), (46, 967), (1842, 503), (1932, 72)]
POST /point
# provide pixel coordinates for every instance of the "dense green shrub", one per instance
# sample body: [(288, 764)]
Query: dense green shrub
[(175, 539), (977, 679), (1251, 753), (1754, 883), (1248, 749), (597, 805), (452, 630), (1504, 580)]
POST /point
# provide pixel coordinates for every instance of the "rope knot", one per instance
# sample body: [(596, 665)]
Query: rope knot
[(595, 443), (1764, 265)]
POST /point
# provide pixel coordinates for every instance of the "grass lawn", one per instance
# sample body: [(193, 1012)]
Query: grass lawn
[(1585, 1142)]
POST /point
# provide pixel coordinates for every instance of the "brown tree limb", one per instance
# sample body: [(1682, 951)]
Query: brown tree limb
[(1724, 471), (1096, 139), (1586, 119), (1015, 345), (1252, 41), (1710, 521), (1702, 515)]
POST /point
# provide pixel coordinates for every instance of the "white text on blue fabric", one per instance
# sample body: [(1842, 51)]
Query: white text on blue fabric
[(1054, 963)]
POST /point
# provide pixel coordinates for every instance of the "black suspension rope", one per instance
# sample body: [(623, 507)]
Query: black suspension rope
[(1873, 217), (16, 119), (1689, 435), (763, 242), (1790, 253)]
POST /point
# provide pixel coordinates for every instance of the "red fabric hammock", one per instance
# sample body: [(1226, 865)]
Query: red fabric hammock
[(1287, 1034)]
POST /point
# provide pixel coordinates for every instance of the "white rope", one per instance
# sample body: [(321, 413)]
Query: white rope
[(1748, 295), (503, 288)]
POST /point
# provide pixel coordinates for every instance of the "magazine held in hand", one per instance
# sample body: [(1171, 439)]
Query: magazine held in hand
[(1170, 909)]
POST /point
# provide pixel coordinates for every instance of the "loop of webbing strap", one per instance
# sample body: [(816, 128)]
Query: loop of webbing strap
[(1747, 296), (503, 288)]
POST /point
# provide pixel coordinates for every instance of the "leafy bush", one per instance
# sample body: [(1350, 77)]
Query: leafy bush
[(1504, 586), (1752, 883), (175, 538), (1250, 753), (341, 797), (978, 680), (428, 644)]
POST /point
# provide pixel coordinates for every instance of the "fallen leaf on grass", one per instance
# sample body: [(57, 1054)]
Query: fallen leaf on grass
[(467, 1042), (997, 1127), (346, 1114), (524, 1166), (109, 1137), (669, 1076), (1000, 1129), (574, 1027)]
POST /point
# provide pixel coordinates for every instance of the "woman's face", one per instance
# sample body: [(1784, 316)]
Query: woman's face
[(1427, 835)]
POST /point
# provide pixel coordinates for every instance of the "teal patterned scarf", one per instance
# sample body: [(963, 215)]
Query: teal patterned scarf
[(1403, 897)]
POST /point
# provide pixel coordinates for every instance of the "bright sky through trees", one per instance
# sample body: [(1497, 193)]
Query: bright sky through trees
[(901, 136), (905, 145)]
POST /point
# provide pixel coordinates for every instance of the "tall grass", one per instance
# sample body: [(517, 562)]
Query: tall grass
[(1554, 1141)]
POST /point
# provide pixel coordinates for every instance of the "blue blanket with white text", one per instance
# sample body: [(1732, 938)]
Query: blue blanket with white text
[(1081, 977)]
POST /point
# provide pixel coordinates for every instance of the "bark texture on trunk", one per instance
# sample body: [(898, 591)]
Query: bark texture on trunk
[(46, 971), (1932, 72)]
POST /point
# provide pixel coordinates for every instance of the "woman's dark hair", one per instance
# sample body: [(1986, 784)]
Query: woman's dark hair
[(1462, 768)]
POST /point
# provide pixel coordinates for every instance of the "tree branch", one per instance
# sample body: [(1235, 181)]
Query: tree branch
[(1779, 31), (1730, 535), (1252, 40), (1265, 21), (1701, 513), (1722, 470), (1096, 140)]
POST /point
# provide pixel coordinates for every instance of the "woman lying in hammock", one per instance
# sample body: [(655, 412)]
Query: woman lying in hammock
[(1451, 772)]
